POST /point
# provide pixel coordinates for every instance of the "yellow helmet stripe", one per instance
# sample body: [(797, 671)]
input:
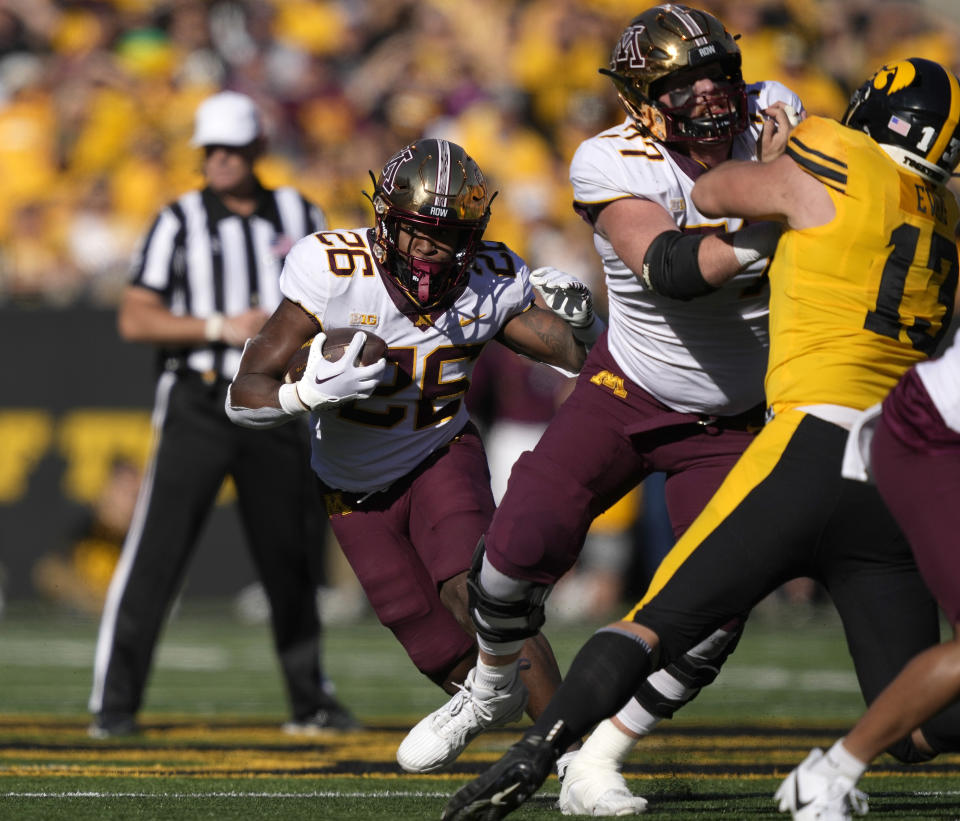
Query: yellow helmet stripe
[(940, 146)]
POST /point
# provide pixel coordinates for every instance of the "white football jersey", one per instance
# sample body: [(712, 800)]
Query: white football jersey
[(706, 355), (941, 378), (419, 405)]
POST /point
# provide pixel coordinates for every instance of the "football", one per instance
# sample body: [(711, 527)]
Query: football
[(336, 343)]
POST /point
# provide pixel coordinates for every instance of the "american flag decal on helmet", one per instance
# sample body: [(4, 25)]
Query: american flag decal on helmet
[(901, 127)]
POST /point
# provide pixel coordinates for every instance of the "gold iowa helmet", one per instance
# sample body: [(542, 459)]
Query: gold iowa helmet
[(432, 186), (912, 108), (663, 51)]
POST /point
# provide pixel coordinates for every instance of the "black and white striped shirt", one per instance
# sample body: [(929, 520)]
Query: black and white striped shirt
[(204, 259)]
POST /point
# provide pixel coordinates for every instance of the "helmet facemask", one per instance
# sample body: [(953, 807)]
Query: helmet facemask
[(433, 189), (427, 281), (705, 118)]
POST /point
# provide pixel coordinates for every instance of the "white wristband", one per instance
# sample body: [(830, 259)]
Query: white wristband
[(587, 336), (290, 400), (213, 328), (756, 241)]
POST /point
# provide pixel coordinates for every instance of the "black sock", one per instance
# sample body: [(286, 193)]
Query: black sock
[(603, 676)]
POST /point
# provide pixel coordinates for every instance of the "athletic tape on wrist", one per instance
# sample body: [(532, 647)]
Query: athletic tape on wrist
[(290, 400), (591, 333), (756, 241)]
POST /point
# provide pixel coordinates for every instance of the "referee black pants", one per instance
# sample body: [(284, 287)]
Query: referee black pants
[(195, 447)]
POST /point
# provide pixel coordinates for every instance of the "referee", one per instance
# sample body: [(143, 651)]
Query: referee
[(204, 281)]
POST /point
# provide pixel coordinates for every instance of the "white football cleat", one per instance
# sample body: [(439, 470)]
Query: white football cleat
[(810, 794), (592, 786), (439, 738)]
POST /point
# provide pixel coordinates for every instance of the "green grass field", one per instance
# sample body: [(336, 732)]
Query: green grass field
[(212, 747)]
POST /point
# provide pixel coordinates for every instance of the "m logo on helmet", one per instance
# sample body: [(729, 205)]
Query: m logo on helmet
[(891, 79), (389, 173), (628, 49)]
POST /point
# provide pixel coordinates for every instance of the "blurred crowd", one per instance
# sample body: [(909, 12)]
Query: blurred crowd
[(97, 99)]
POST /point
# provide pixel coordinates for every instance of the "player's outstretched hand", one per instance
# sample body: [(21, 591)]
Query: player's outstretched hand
[(328, 384)]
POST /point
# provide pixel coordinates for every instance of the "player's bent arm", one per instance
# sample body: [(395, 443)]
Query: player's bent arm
[(255, 396), (679, 265), (540, 334), (778, 190), (630, 225)]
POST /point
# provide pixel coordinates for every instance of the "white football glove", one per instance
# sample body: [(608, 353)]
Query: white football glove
[(328, 384), (571, 300)]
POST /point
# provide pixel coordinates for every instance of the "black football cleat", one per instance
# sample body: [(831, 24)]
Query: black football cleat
[(331, 715), (113, 725), (506, 785)]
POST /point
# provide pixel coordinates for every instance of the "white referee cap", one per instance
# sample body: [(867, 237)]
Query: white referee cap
[(227, 118)]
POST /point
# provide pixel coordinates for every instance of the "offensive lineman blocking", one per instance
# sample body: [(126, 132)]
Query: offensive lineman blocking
[(676, 385), (862, 287)]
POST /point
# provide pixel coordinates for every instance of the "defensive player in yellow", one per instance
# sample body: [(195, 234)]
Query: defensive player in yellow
[(862, 287)]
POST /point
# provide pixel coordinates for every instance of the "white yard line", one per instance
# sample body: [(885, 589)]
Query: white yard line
[(320, 794), (211, 658), (231, 794)]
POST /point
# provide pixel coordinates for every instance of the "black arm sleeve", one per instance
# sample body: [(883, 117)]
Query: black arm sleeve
[(671, 267)]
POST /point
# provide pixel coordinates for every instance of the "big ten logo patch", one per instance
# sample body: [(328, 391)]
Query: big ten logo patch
[(370, 320), (89, 441)]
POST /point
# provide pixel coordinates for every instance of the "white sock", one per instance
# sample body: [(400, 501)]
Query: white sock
[(844, 762), (487, 678), (608, 743), (635, 718)]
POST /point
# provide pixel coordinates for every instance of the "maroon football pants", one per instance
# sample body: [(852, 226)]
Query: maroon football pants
[(915, 460), (605, 439), (404, 542)]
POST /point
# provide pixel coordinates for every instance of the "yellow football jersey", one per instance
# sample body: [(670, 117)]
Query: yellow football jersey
[(854, 303)]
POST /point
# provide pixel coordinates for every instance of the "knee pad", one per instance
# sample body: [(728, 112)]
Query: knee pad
[(693, 671), (701, 665), (501, 621)]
